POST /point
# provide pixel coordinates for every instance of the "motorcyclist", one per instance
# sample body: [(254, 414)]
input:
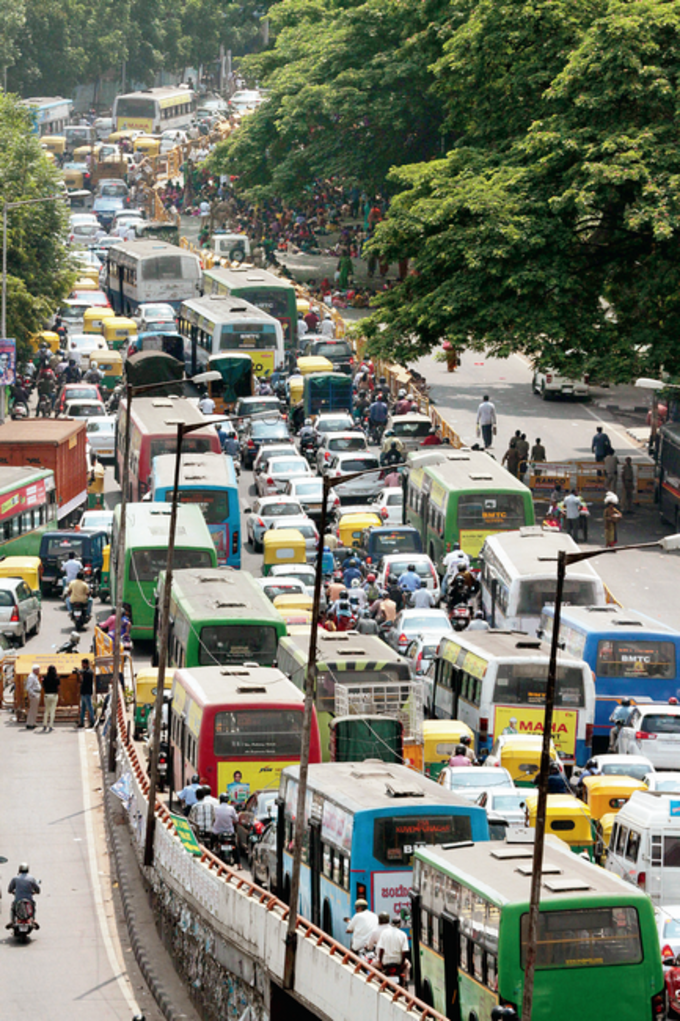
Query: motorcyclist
[(409, 579), (590, 769), (403, 405), (351, 571), (460, 587), (78, 593), (377, 414), (393, 456), (467, 744), (371, 589), (24, 887), (618, 718), (307, 434), (188, 794), (423, 599), (478, 623)]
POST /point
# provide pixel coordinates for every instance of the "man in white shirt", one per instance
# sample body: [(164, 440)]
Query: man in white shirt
[(206, 405), (383, 923), (450, 563), (361, 925), (572, 510), (327, 328), (392, 949), (486, 420), (422, 598), (71, 568)]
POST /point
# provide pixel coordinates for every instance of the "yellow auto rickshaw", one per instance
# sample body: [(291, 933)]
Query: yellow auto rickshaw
[(351, 526), (609, 793), (118, 136), (147, 145), (295, 386), (520, 754), (314, 363), (86, 283), (49, 156), (56, 144), (46, 337), (88, 273), (604, 827), (84, 151), (144, 691), (296, 618), (568, 818), (95, 317), (74, 176), (110, 363), (105, 577), (295, 608), (28, 568), (440, 738), (283, 546), (118, 332)]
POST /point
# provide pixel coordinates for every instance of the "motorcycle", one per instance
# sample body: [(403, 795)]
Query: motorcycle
[(460, 616), (44, 409), (226, 848), (19, 411), (308, 450), (23, 920), (79, 616), (70, 645)]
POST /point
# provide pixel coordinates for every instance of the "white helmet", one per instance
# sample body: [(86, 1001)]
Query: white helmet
[(308, 421)]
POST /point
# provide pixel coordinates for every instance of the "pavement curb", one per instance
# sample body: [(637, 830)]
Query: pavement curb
[(155, 985)]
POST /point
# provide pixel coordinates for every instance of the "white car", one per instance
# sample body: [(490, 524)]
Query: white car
[(264, 512), (268, 450), (509, 805), (307, 528), (84, 409), (666, 780), (338, 443), (123, 220), (364, 488), (613, 764), (279, 470), (653, 731), (309, 492), (549, 384), (83, 229), (333, 422), (101, 437), (668, 927), (97, 521), (302, 571), (155, 312), (470, 782), (390, 505), (82, 345), (409, 624), (410, 429), (274, 586), (395, 564)]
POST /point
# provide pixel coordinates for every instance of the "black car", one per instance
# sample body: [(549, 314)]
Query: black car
[(263, 863), (256, 431), (338, 352), (258, 811), (55, 548)]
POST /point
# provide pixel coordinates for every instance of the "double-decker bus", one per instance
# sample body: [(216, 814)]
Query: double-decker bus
[(630, 655), (243, 719), (362, 824), (154, 110), (487, 679), (150, 271), (596, 934), (464, 497), (147, 529), (268, 292), (219, 616), (28, 507), (343, 657), (668, 473), (219, 323), (153, 431), (210, 481)]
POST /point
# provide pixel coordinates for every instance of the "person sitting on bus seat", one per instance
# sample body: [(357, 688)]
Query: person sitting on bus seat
[(460, 757), (361, 925), (78, 592)]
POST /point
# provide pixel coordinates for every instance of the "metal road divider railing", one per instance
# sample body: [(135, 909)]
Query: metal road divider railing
[(173, 853), (589, 478)]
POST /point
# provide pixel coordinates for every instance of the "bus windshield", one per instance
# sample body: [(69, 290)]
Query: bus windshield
[(525, 684), (629, 658), (146, 564), (395, 837), (497, 511), (135, 107), (252, 337), (593, 937), (535, 593), (234, 643), (258, 733), (190, 445), (214, 503)]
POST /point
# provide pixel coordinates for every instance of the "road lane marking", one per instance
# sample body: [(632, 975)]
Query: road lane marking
[(115, 964)]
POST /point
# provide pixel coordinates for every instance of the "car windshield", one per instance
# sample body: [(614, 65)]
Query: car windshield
[(355, 464), (634, 769), (284, 589), (347, 443), (114, 191), (667, 785), (296, 467), (671, 929), (423, 569), (384, 543), (309, 531), (333, 425), (280, 510), (425, 623), (107, 426), (411, 428), (507, 802), (270, 430), (660, 723), (308, 488), (253, 407), (476, 778), (330, 350)]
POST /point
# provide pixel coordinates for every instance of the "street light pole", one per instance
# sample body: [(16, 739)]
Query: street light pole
[(564, 559)]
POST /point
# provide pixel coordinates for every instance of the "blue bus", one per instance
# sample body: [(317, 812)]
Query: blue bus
[(209, 480), (362, 824), (631, 656)]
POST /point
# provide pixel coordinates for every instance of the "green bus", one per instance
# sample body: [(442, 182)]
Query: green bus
[(463, 497), (147, 529), (28, 507), (268, 292), (345, 658), (220, 615), (598, 949)]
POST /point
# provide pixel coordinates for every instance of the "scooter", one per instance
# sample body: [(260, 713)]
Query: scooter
[(79, 616), (460, 616), (19, 411), (226, 848), (44, 409), (70, 645), (23, 920)]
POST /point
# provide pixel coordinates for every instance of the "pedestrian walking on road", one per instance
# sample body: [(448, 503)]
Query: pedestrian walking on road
[(612, 515), (522, 445), (538, 455), (601, 444), (51, 689), (33, 691), (572, 512), (486, 421), (611, 468), (628, 482), (511, 457), (86, 690)]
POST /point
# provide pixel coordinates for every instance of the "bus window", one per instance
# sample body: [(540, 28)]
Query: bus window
[(394, 838), (213, 503), (518, 684), (258, 733), (536, 593), (594, 937), (235, 643), (627, 658), (499, 511), (145, 565)]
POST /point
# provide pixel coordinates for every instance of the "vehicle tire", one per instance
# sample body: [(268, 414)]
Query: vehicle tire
[(545, 396), (38, 624), (327, 918), (237, 255), (257, 546), (21, 640), (426, 995)]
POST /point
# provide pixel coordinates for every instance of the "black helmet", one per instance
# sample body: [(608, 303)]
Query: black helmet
[(344, 594), (195, 778), (411, 567), (461, 749), (465, 739), (224, 799), (591, 764)]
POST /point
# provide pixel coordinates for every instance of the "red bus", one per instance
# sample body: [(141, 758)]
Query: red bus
[(150, 435), (242, 719)]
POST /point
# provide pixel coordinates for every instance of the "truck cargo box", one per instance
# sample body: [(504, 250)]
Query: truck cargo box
[(56, 444)]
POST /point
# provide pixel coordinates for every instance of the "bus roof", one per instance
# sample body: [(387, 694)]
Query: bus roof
[(148, 526), (152, 414), (243, 684), (196, 471), (607, 618), (471, 470), (246, 276), (225, 308), (501, 871), (500, 645), (159, 92), (343, 647), (213, 593), (11, 477), (532, 550), (147, 248), (357, 786)]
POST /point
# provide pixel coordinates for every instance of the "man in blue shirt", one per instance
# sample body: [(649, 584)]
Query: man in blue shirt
[(351, 572), (409, 579), (600, 445), (377, 413), (188, 794)]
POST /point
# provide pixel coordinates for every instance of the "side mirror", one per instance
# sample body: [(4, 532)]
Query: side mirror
[(247, 510)]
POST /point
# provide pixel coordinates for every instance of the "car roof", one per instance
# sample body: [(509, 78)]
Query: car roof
[(658, 707), (407, 555), (614, 757), (344, 434)]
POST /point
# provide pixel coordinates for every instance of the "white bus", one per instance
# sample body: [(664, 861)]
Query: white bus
[(496, 680), (519, 576), (154, 110), (50, 114), (217, 324), (151, 271)]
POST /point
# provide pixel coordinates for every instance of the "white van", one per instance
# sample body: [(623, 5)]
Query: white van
[(235, 247), (519, 577), (644, 848)]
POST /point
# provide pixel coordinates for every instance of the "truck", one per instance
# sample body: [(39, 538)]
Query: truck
[(59, 445)]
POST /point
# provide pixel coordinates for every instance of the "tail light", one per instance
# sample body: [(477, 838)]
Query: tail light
[(234, 542), (327, 456), (419, 660), (548, 377), (589, 734), (14, 619), (258, 827), (351, 359), (251, 444), (336, 502), (361, 891), (667, 951), (162, 760), (270, 482), (483, 728), (261, 523), (384, 512), (586, 377), (642, 735), (642, 880), (87, 569), (658, 1007), (402, 640)]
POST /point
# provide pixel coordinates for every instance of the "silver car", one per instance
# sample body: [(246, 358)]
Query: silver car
[(264, 512), (19, 610), (278, 471), (365, 488), (101, 436), (339, 443)]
